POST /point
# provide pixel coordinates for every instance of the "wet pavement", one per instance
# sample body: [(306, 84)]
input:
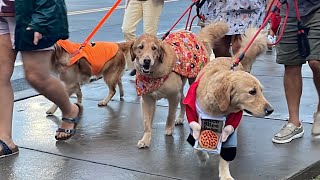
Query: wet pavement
[(105, 145)]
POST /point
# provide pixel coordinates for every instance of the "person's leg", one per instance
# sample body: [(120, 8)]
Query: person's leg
[(292, 81), (37, 70), (132, 16), (151, 16), (7, 60), (236, 43), (315, 67), (221, 47), (288, 55), (313, 23)]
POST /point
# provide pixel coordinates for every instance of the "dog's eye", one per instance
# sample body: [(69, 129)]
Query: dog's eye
[(253, 92), (140, 46), (153, 48)]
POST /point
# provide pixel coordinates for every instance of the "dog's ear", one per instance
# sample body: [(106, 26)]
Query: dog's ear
[(222, 94), (161, 52), (132, 54)]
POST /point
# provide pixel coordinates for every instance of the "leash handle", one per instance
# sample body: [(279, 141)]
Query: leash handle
[(98, 26)]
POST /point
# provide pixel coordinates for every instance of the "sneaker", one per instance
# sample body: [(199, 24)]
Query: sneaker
[(315, 131), (288, 133), (272, 39)]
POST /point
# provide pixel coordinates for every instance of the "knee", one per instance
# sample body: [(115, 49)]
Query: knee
[(292, 70), (5, 76), (314, 65), (228, 154), (35, 79)]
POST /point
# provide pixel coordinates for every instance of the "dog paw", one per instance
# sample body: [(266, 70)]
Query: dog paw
[(169, 131), (179, 121), (51, 111), (143, 144), (226, 178), (102, 103)]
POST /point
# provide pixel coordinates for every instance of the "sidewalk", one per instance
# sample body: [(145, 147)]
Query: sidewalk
[(105, 145)]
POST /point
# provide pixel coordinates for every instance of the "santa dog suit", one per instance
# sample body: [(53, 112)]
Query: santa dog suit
[(229, 146)]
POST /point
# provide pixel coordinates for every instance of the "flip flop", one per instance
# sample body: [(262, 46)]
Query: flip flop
[(75, 121), (6, 151)]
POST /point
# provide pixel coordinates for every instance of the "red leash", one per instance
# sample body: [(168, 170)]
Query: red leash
[(265, 22), (189, 9), (94, 31)]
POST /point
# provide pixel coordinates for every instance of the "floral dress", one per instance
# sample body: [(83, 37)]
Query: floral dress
[(239, 14)]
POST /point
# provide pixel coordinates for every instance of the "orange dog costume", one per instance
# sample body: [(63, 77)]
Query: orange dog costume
[(97, 55)]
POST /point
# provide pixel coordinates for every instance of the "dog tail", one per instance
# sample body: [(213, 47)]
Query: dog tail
[(212, 32), (125, 46), (258, 47)]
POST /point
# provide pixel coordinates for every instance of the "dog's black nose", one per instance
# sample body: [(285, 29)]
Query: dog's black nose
[(147, 62), (269, 110)]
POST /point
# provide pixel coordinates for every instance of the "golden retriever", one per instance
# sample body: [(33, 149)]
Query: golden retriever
[(73, 75), (155, 60), (222, 91)]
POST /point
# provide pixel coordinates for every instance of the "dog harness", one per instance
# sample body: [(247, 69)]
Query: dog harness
[(97, 55), (145, 85), (191, 53), (193, 110)]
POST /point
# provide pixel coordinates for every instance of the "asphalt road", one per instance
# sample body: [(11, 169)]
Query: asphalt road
[(84, 15)]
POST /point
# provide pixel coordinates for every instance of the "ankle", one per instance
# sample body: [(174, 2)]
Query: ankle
[(295, 122), (72, 112), (8, 141)]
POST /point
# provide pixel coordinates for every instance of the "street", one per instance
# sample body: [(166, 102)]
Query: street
[(84, 15), (104, 146)]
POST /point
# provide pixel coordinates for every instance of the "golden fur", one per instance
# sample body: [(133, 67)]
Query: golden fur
[(79, 73), (222, 91), (161, 58)]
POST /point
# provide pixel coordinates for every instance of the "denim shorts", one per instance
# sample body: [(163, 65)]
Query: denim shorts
[(287, 49)]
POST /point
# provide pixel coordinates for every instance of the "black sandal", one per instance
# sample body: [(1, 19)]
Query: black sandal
[(75, 121)]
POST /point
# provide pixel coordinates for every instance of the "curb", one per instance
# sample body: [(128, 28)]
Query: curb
[(308, 173)]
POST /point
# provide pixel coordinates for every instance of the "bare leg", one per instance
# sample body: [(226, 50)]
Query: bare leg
[(37, 71), (221, 47), (293, 90), (315, 67), (7, 60)]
